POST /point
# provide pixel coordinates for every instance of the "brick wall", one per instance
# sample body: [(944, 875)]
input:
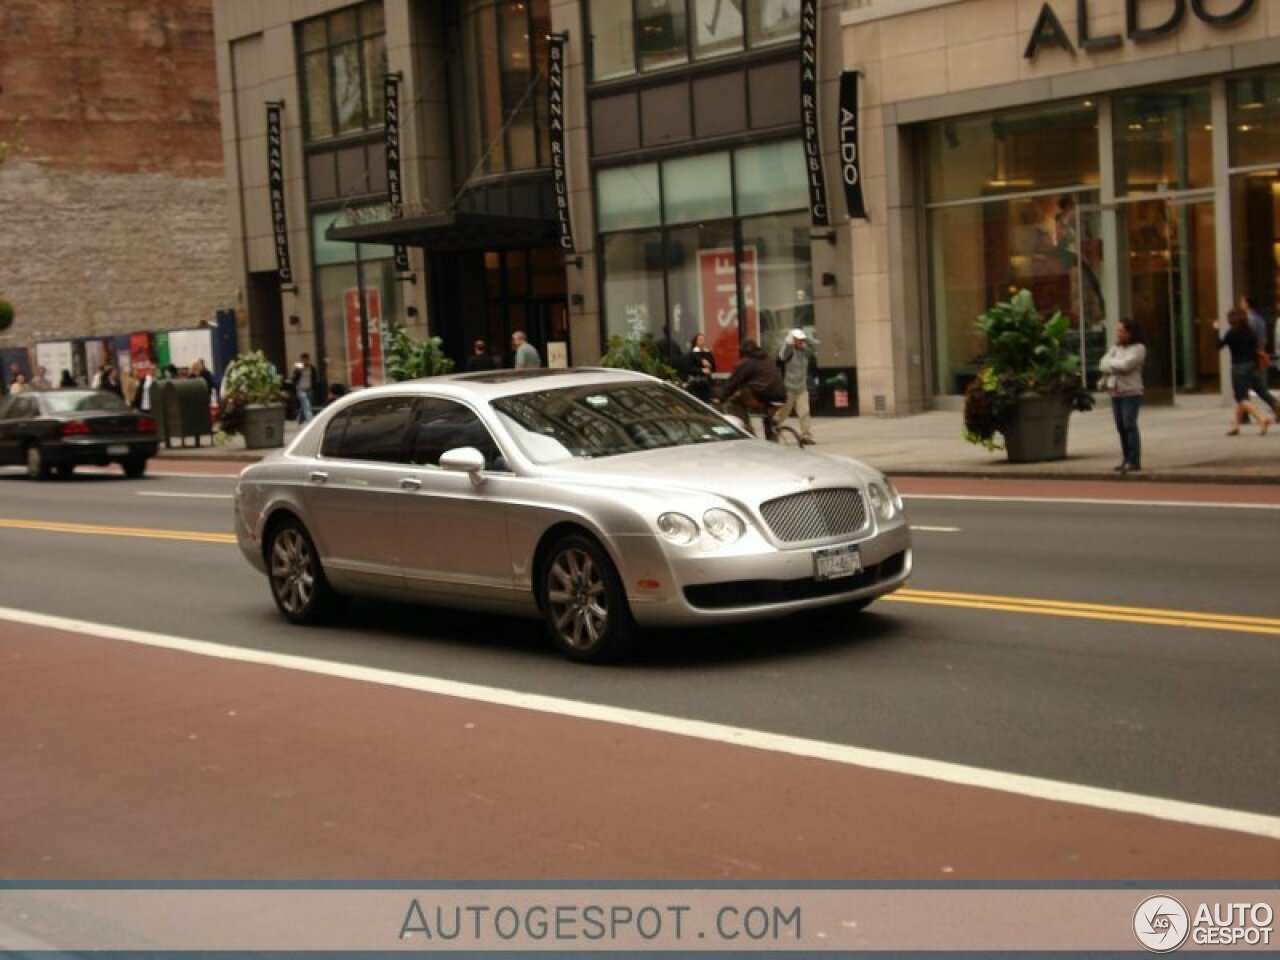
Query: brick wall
[(113, 215)]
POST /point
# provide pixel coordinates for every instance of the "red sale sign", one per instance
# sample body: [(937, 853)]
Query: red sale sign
[(355, 352), (724, 321)]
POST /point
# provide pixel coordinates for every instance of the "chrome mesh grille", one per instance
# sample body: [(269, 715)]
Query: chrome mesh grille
[(815, 515)]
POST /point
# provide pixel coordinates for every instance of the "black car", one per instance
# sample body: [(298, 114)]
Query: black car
[(56, 430)]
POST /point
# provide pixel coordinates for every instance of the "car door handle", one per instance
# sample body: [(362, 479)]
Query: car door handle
[(410, 483), (319, 476)]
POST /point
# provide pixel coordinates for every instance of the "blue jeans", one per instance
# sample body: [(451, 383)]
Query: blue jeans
[(304, 406), (1125, 410)]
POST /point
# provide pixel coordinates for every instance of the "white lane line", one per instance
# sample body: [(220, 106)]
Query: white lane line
[(1094, 501), (915, 529), (1196, 814), (189, 496)]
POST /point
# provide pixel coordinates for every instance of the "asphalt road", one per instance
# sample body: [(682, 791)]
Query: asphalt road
[(1184, 708)]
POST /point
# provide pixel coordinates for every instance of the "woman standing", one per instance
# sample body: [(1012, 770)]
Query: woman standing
[(1122, 365), (1243, 345), (701, 364)]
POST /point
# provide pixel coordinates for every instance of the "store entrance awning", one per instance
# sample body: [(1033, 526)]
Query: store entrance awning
[(451, 232)]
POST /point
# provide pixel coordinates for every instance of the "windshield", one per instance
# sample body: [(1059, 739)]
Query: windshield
[(603, 420), (82, 401)]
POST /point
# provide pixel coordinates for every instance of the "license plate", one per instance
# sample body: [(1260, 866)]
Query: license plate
[(831, 563), (118, 450)]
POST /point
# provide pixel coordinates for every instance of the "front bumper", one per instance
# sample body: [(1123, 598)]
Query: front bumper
[(761, 580)]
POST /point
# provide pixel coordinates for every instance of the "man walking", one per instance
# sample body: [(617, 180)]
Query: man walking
[(526, 355), (303, 382), (796, 356)]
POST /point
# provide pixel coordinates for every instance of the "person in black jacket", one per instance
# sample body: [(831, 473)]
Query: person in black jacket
[(1243, 345), (755, 384), (480, 358)]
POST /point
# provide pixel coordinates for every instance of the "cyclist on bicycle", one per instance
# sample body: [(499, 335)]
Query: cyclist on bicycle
[(754, 385)]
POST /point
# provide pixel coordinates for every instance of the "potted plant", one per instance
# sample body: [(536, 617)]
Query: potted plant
[(409, 359), (6, 315), (639, 354), (251, 402), (1028, 385)]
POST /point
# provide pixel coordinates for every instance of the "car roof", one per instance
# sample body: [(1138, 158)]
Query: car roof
[(494, 384)]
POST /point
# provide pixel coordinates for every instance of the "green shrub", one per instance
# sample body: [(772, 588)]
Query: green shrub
[(409, 359), (639, 354)]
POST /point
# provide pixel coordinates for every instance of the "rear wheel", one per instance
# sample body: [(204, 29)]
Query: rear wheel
[(583, 601), (134, 466), (298, 583), (37, 466), (63, 471)]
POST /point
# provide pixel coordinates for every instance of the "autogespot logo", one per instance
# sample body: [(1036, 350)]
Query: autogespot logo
[(1161, 924)]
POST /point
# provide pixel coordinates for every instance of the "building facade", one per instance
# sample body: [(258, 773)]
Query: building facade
[(583, 169), (112, 198)]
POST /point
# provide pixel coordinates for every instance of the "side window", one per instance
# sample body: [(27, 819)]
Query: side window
[(445, 425), (333, 434), (376, 430)]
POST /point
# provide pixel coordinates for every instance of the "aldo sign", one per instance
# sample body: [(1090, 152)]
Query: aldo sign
[(1142, 19)]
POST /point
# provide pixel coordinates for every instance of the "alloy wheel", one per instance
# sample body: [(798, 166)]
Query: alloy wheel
[(293, 575), (578, 599)]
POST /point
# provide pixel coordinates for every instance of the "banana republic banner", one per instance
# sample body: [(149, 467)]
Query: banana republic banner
[(850, 159), (391, 100), (809, 113), (555, 112), (275, 187)]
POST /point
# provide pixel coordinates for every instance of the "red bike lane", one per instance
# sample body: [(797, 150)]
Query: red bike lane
[(121, 761)]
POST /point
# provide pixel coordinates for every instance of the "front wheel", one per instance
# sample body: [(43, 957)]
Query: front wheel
[(298, 583), (583, 601)]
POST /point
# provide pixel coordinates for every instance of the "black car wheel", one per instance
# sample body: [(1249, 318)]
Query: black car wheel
[(37, 466), (583, 601), (63, 471), (134, 466), (298, 583)]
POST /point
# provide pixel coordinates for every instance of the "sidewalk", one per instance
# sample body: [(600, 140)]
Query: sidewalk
[(1184, 443)]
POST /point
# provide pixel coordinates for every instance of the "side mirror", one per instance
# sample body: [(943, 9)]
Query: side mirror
[(467, 460)]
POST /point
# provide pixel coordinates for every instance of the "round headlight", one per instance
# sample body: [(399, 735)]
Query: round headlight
[(723, 525), (881, 501), (677, 528), (894, 495)]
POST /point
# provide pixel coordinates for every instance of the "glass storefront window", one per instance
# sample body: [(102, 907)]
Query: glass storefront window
[(499, 79), (697, 188), (628, 197), (1255, 241), (1163, 140), (633, 287), (776, 250), (343, 60), (770, 177), (980, 253), (661, 34), (1254, 104), (1014, 151), (774, 21), (717, 28), (613, 29), (726, 275)]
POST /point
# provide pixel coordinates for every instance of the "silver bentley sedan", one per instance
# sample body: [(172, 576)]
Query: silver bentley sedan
[(600, 500)]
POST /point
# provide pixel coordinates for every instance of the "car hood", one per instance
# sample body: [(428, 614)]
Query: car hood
[(736, 470)]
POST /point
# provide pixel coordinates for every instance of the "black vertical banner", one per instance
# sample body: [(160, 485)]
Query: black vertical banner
[(809, 116), (275, 186), (391, 102), (555, 112), (850, 159)]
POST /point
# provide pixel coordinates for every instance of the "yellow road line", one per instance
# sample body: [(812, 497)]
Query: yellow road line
[(96, 529), (969, 601), (1091, 611)]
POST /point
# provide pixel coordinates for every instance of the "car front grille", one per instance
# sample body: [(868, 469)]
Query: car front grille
[(815, 514)]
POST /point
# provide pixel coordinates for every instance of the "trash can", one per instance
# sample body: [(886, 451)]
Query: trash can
[(837, 392), (181, 409)]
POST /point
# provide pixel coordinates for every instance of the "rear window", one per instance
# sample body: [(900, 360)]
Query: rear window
[(82, 401)]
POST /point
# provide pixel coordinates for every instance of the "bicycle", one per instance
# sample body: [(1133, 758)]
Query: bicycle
[(774, 432)]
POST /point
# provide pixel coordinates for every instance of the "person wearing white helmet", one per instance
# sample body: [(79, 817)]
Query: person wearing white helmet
[(796, 356)]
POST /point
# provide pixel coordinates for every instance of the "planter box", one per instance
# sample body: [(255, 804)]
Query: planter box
[(1038, 431), (264, 426)]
